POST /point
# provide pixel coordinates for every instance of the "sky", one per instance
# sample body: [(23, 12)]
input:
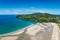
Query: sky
[(29, 6)]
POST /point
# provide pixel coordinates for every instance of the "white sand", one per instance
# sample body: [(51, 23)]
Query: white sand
[(55, 34), (34, 29), (45, 31), (9, 38), (17, 31)]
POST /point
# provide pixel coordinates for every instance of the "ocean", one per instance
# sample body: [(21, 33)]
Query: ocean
[(9, 23)]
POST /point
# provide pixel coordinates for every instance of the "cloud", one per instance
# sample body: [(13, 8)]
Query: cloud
[(11, 11), (28, 11)]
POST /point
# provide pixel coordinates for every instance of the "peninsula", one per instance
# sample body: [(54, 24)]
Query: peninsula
[(40, 17), (46, 28)]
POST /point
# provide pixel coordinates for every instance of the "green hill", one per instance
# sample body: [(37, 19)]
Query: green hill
[(39, 17)]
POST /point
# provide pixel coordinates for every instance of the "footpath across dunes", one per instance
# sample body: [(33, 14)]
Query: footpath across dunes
[(38, 31)]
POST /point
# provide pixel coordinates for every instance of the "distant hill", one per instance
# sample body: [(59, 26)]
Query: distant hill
[(40, 17)]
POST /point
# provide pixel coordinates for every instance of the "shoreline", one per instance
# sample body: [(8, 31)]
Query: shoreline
[(41, 31), (17, 31)]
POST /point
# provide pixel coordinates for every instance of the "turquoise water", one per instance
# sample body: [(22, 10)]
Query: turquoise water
[(9, 23)]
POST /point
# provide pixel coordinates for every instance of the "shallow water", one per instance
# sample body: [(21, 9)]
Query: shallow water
[(9, 23)]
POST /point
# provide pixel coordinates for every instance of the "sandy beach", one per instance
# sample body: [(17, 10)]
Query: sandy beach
[(39, 31), (17, 31)]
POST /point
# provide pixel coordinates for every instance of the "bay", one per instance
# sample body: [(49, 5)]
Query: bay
[(9, 23)]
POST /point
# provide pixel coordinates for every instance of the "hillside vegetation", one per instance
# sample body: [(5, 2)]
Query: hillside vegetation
[(40, 17)]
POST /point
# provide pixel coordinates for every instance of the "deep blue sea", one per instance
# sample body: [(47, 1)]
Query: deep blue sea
[(9, 23)]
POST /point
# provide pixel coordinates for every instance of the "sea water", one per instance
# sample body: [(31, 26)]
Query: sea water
[(9, 23)]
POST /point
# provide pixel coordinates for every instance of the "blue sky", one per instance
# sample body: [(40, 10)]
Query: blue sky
[(29, 6)]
